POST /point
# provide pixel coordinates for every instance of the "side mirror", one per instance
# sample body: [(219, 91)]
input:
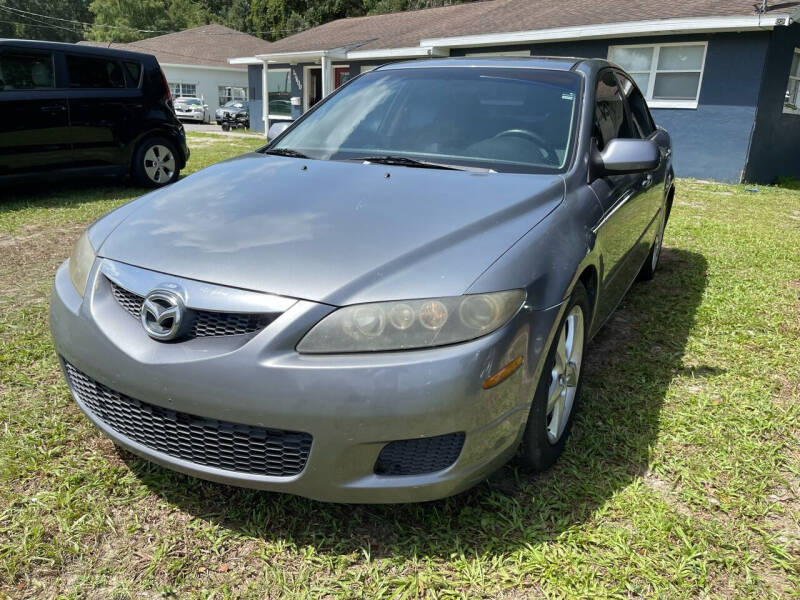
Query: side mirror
[(277, 128), (629, 156)]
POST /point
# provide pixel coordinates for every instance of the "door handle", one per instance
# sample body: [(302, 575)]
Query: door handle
[(54, 108)]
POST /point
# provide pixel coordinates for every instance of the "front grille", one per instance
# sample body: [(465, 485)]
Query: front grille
[(422, 455), (229, 446), (206, 323)]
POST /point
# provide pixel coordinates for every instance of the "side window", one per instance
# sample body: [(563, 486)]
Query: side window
[(26, 71), (638, 105), (94, 73), (134, 73), (610, 115)]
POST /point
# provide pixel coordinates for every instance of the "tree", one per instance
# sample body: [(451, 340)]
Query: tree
[(388, 6), (132, 20), (40, 19), (123, 20)]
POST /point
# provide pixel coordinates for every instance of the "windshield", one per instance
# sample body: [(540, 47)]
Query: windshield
[(190, 101), (234, 104), (515, 120)]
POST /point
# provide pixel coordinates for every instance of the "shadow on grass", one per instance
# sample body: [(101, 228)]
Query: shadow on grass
[(629, 368), (49, 192)]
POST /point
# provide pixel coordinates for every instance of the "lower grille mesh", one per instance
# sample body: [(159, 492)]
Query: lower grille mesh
[(240, 448), (422, 455), (207, 323)]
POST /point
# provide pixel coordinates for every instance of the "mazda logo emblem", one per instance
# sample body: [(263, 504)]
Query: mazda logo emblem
[(163, 315)]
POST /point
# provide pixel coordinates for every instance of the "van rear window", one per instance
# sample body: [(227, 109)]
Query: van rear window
[(94, 73), (134, 73)]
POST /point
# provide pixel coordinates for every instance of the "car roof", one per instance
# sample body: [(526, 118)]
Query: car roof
[(553, 63), (73, 48)]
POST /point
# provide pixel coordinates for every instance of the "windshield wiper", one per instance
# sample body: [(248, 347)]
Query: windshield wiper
[(404, 161), (286, 152)]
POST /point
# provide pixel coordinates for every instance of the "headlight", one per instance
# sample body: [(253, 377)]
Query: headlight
[(381, 326), (80, 263)]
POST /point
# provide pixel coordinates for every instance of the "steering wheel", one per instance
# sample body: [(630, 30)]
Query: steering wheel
[(547, 154)]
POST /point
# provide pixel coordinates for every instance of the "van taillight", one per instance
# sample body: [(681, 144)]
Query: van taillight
[(168, 94)]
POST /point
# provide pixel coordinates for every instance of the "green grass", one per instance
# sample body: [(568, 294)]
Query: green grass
[(681, 480)]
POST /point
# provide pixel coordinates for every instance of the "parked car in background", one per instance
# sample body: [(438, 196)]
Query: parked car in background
[(387, 302), (192, 109), (232, 109), (80, 110), (237, 120)]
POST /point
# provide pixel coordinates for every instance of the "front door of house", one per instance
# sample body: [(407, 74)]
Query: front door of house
[(341, 75), (314, 86)]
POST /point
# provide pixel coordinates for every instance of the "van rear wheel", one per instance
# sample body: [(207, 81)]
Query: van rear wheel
[(155, 163)]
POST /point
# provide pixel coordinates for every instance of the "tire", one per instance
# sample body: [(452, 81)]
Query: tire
[(226, 127), (548, 428), (149, 173), (648, 270)]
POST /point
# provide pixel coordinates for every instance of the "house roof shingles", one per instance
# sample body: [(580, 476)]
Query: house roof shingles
[(208, 45), (406, 29)]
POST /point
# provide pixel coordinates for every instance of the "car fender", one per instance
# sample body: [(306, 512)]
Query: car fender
[(550, 258)]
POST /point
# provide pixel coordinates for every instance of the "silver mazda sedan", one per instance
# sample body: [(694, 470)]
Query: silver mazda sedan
[(387, 302)]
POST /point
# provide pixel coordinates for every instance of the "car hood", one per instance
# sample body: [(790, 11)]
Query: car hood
[(329, 231)]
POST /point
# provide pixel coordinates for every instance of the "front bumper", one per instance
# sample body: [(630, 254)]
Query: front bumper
[(352, 405)]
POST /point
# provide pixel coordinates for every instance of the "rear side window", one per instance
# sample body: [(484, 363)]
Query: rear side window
[(26, 71), (94, 73), (638, 105), (134, 73), (611, 116)]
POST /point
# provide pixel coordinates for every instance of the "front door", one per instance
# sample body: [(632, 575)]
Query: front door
[(622, 226), (341, 75), (313, 86), (34, 127)]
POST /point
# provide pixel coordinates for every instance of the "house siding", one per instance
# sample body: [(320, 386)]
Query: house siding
[(775, 150), (254, 93)]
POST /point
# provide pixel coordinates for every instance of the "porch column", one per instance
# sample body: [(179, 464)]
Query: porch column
[(327, 76), (265, 96)]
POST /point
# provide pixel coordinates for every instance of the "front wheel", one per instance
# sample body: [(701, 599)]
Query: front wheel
[(155, 163), (557, 393)]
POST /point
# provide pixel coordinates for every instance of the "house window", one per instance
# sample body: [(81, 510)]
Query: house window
[(791, 104), (231, 92), (279, 85), (183, 90), (669, 75)]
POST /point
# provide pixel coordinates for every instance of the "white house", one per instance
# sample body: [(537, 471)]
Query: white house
[(195, 61)]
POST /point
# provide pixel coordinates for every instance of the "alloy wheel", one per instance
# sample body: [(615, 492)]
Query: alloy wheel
[(565, 374)]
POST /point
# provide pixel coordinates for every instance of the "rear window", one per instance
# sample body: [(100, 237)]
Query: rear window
[(134, 71), (94, 73), (26, 71)]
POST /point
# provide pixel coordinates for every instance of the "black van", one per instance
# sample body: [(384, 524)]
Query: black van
[(74, 109)]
